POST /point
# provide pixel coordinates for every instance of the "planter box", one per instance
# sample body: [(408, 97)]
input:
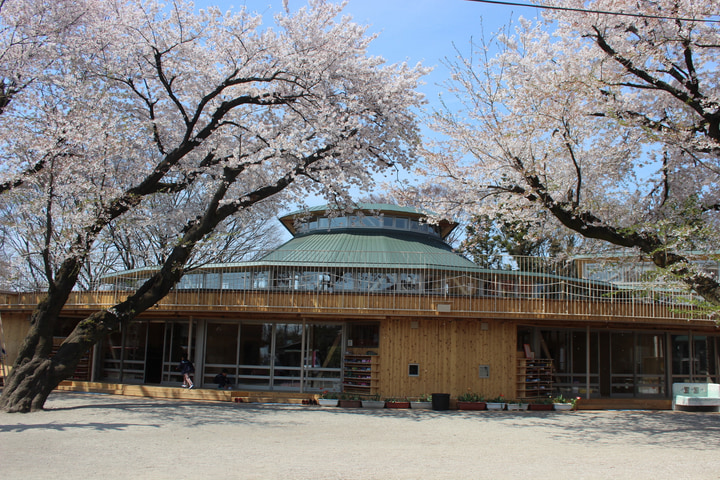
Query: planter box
[(495, 406), (349, 403), (421, 405), (397, 404), (513, 407), (562, 406), (471, 405), (373, 404), (541, 407), (327, 402)]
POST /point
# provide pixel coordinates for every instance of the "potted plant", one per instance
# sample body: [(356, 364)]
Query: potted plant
[(397, 403), (513, 405), (424, 402), (497, 403), (349, 401), (542, 404), (471, 401), (373, 402), (328, 399), (562, 403)]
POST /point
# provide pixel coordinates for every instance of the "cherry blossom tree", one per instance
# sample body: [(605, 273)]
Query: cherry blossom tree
[(141, 238), (110, 105), (610, 123)]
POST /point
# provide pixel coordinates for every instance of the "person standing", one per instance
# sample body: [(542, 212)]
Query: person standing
[(186, 368)]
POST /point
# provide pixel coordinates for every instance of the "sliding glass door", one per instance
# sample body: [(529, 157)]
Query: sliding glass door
[(299, 357)]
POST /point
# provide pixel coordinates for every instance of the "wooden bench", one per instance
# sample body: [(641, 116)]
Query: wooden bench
[(696, 397)]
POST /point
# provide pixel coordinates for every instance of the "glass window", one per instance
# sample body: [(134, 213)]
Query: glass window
[(621, 363), (650, 364), (261, 279), (288, 353), (324, 345), (221, 344), (212, 280), (236, 280), (365, 335), (338, 222), (255, 355), (190, 281), (681, 361), (220, 351), (372, 222)]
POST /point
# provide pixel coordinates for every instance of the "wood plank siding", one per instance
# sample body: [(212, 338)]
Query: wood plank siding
[(219, 303), (448, 353)]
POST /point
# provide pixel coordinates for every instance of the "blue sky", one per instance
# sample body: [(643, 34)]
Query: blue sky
[(419, 31)]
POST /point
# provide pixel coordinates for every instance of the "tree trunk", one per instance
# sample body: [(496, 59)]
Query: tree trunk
[(28, 386), (35, 375)]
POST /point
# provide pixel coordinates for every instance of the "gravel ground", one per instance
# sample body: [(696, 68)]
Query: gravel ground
[(109, 437)]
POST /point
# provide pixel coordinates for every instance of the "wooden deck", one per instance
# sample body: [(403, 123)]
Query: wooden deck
[(178, 393), (233, 303), (214, 395), (624, 404)]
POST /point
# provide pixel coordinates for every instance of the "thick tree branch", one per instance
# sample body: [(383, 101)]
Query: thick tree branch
[(590, 226), (692, 97)]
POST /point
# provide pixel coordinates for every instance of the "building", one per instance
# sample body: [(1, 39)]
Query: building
[(377, 303)]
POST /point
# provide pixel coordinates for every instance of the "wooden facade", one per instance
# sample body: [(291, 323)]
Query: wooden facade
[(447, 348), (448, 352), (443, 324)]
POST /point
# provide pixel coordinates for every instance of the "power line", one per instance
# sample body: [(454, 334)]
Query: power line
[(602, 12)]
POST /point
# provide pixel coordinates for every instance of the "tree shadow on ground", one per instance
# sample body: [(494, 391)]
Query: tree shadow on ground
[(691, 430)]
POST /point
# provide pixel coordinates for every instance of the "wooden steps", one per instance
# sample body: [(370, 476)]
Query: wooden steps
[(204, 394), (215, 395), (624, 404)]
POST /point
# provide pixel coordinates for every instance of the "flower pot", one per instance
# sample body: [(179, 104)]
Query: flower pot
[(421, 405), (495, 405), (541, 406), (440, 401), (471, 405), (349, 403), (524, 406), (327, 402), (513, 406), (562, 406), (373, 404), (397, 404)]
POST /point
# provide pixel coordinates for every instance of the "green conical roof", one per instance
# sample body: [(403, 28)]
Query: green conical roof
[(370, 209), (376, 248)]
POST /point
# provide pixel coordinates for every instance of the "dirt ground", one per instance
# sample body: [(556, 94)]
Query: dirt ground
[(109, 437)]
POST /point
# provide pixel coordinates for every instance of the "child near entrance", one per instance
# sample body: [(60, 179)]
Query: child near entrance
[(222, 380), (186, 368)]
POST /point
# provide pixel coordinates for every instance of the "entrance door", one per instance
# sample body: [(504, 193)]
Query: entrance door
[(179, 338), (153, 364), (622, 380), (287, 357), (694, 358), (124, 354), (323, 357), (256, 356), (290, 356), (637, 364)]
